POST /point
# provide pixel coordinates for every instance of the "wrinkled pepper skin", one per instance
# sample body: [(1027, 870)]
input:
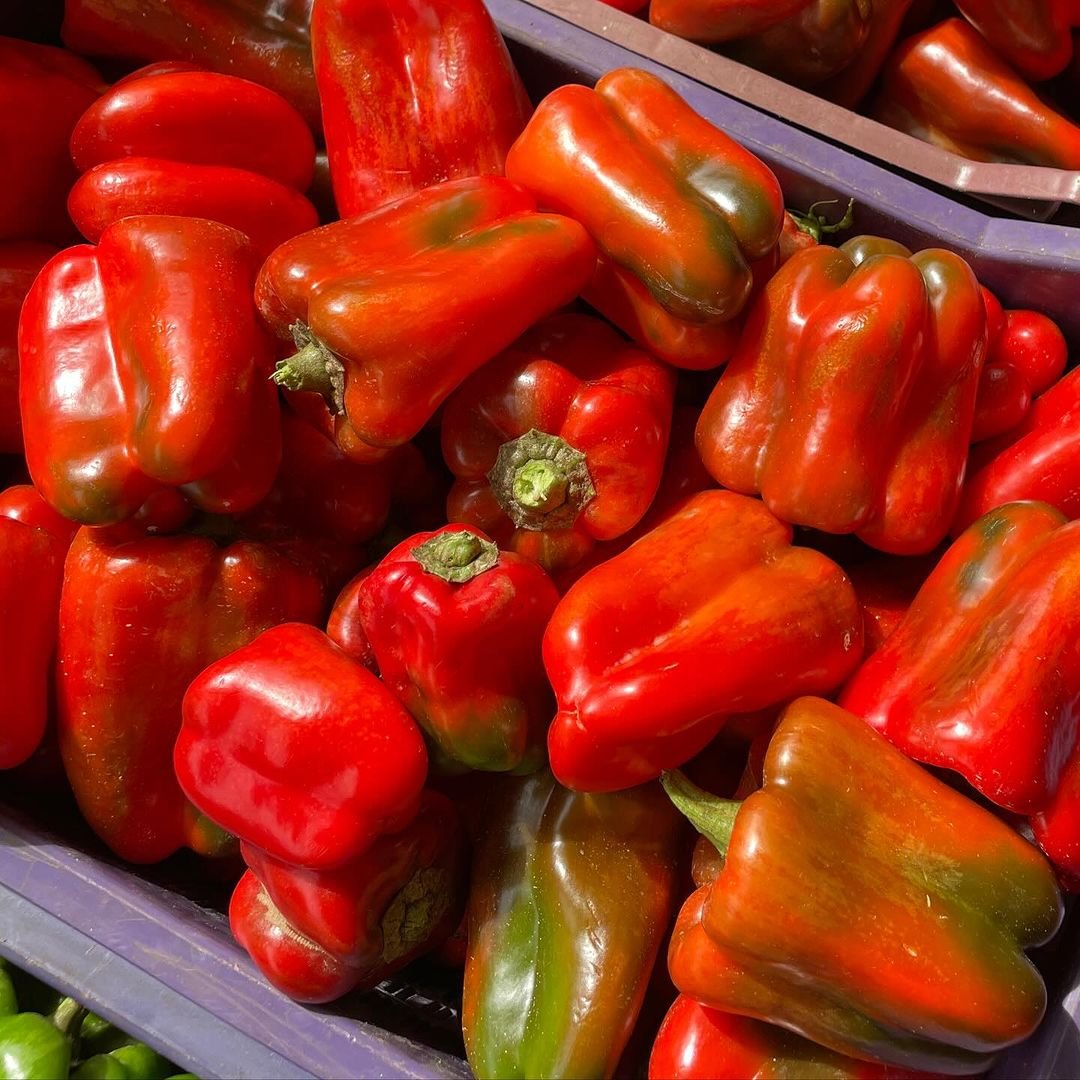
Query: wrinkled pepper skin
[(379, 912), (848, 406), (678, 210), (20, 261), (43, 92), (398, 307), (1034, 36), (455, 627), (572, 896), (983, 674), (1037, 459), (907, 906), (948, 87), (139, 619), (712, 613), (33, 543), (698, 1043), (265, 41), (296, 749), (143, 368), (413, 92), (599, 413)]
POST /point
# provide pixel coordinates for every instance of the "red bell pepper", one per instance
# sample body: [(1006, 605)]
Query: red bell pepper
[(678, 209), (375, 914), (43, 91), (1035, 36), (20, 262), (265, 41), (849, 403), (906, 906), (33, 543), (983, 674), (559, 443), (413, 92), (886, 585), (1037, 459), (293, 747), (712, 613), (392, 310), (143, 368), (947, 86), (455, 627)]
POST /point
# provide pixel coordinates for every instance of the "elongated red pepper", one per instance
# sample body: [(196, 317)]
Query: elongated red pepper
[(455, 626), (143, 368), (713, 21), (20, 262), (293, 747), (712, 613), (850, 86), (1033, 35), (849, 404), (394, 309), (560, 442), (33, 543), (265, 41), (413, 92), (43, 91), (677, 208), (907, 906), (947, 86), (982, 676)]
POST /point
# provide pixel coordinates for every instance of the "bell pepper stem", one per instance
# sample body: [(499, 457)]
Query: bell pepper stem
[(712, 816), (313, 367), (541, 481), (813, 223), (457, 556)]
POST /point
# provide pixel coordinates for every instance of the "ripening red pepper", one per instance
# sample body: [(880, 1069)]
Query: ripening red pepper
[(392, 310), (906, 906), (848, 406), (33, 543), (712, 613), (678, 210), (948, 87), (43, 91), (849, 86), (413, 92), (143, 368), (714, 21), (1035, 36), (292, 746), (559, 443), (265, 41), (20, 261), (374, 915), (455, 627)]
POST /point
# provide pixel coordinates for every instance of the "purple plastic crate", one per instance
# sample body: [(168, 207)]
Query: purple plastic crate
[(148, 956)]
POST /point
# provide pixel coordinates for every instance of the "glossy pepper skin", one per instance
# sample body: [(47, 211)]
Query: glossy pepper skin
[(33, 543), (32, 1048), (455, 626), (712, 613), (43, 91), (20, 261), (849, 404), (559, 443), (992, 691), (891, 948), (265, 41), (139, 619), (849, 86), (392, 310), (948, 87), (678, 210), (1034, 36), (698, 1043), (572, 895), (413, 92), (375, 914), (295, 748), (143, 369)]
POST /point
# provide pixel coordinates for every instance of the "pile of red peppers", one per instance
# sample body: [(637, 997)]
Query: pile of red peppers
[(432, 534)]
